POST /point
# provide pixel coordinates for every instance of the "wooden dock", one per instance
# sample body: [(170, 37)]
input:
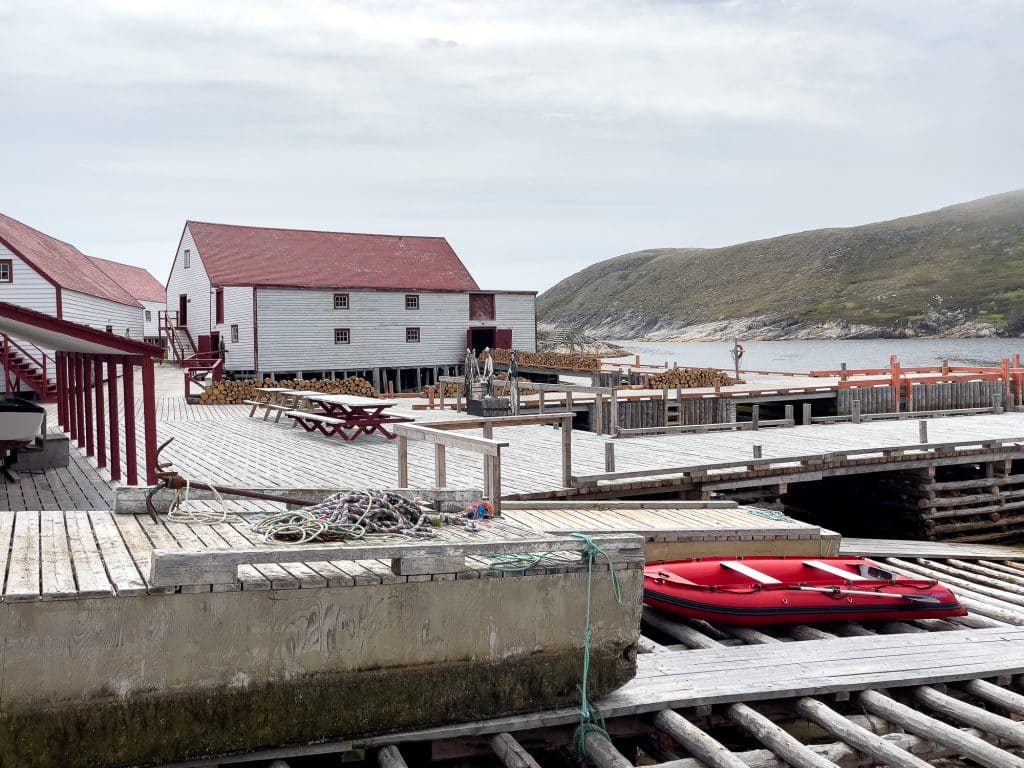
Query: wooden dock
[(895, 693)]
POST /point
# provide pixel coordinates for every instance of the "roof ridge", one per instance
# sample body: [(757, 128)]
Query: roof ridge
[(316, 231)]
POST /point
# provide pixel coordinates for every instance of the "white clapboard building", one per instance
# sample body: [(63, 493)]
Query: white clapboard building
[(40, 272), (321, 304), (145, 289)]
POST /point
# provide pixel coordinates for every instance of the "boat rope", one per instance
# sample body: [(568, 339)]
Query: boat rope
[(590, 719), (356, 514), (177, 513)]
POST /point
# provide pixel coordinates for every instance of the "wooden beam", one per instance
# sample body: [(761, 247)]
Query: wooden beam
[(775, 738), (87, 400), (511, 752), (115, 433), (131, 456), (697, 742), (390, 757), (976, 717), (149, 419), (440, 470), (101, 424)]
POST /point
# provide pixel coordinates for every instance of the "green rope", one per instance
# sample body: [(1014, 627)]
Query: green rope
[(590, 719)]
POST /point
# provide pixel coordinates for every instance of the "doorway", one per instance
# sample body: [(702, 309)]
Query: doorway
[(479, 338), (183, 309)]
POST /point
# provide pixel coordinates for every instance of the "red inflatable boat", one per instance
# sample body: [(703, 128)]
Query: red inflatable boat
[(754, 591)]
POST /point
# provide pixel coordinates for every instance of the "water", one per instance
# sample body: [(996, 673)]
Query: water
[(803, 356)]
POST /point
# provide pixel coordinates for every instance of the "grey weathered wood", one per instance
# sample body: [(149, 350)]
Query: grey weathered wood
[(922, 431), (440, 470), (938, 732), (23, 573), (698, 743), (449, 438), (994, 694), (806, 413), (403, 461), (858, 737), (678, 631), (511, 752), (219, 566), (390, 757), (494, 483), (775, 738), (566, 427), (1003, 727), (602, 753), (609, 456)]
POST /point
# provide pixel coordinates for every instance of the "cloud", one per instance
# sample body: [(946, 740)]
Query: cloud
[(537, 136)]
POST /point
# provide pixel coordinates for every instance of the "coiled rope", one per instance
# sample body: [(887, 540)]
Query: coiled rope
[(176, 513), (354, 515)]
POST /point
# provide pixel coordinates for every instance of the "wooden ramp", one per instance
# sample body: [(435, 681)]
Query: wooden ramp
[(900, 548), (679, 529)]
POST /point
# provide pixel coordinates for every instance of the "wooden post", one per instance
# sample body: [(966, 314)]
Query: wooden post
[(757, 451), (842, 372), (598, 425), (613, 420), (855, 411), (80, 397), (807, 413), (540, 401), (922, 431), (390, 757), (115, 433), (62, 383), (458, 397), (90, 447), (403, 461), (609, 456), (511, 752), (488, 432), (101, 427), (72, 398), (149, 418), (789, 416), (440, 393), (755, 416), (664, 405), (568, 401), (496, 483), (131, 456), (440, 470), (997, 403), (567, 452)]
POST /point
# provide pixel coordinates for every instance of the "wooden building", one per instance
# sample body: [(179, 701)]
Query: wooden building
[(145, 289), (321, 304), (44, 274)]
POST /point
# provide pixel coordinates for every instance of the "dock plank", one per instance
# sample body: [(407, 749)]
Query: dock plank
[(90, 575), (118, 560), (23, 573), (58, 573)]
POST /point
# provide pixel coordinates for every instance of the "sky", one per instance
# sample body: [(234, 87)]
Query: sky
[(538, 137)]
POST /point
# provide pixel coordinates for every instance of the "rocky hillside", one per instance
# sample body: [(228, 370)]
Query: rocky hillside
[(955, 271)]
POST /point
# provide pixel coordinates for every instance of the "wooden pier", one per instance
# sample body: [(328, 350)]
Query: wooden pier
[(896, 693)]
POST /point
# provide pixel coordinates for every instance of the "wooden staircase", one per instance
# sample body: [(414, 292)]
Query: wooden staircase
[(29, 365), (179, 340)]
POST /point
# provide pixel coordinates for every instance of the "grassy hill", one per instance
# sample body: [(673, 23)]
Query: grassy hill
[(957, 264)]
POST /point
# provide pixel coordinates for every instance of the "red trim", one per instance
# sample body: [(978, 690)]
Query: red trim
[(58, 365), (131, 458), (77, 331), (115, 435), (80, 398), (31, 266), (90, 447), (59, 297), (255, 334), (101, 437), (149, 418), (72, 397), (218, 308)]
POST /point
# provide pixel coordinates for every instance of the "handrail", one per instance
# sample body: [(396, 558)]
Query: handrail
[(191, 370), (41, 365), (801, 462), (45, 365)]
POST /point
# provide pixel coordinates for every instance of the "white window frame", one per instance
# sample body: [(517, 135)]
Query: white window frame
[(187, 258), (234, 334), (346, 339), (412, 301), (344, 301), (413, 335)]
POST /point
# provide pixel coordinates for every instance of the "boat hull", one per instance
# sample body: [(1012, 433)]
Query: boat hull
[(20, 420), (793, 600)]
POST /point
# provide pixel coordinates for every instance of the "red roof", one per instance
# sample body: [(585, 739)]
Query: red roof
[(60, 263), (236, 255), (135, 280)]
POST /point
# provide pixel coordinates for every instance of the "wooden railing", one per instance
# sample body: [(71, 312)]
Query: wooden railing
[(195, 370), (444, 435), (43, 363)]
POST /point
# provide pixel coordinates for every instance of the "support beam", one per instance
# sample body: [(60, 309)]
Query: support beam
[(90, 447), (149, 418), (440, 468), (566, 452), (511, 752), (115, 432), (101, 422), (131, 456), (775, 738), (702, 746), (976, 717), (390, 757), (602, 753), (403, 461)]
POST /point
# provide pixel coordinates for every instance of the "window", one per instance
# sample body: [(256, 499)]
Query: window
[(341, 336), (234, 334), (110, 329), (6, 271), (412, 301), (481, 306), (219, 306), (412, 335), (149, 316), (341, 301), (187, 259)]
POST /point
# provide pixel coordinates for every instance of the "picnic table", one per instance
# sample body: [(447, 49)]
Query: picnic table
[(279, 399), (347, 416)]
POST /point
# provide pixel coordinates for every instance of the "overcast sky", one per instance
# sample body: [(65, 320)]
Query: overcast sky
[(538, 137)]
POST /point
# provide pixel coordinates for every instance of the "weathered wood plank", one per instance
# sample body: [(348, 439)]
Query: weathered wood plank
[(23, 573)]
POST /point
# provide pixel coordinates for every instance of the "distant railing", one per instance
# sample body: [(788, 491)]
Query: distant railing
[(196, 368), (42, 361)]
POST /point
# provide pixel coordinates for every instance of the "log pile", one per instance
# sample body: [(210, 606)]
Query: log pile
[(228, 392), (689, 378), (557, 360)]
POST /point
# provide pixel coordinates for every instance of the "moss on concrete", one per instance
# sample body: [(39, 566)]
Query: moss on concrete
[(157, 728)]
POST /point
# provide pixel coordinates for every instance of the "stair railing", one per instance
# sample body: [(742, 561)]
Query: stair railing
[(43, 362)]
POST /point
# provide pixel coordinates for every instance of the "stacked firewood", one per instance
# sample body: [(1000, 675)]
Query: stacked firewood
[(226, 392), (559, 360), (689, 378)]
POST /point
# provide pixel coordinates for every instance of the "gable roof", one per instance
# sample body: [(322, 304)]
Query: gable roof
[(60, 263), (235, 255), (137, 281)]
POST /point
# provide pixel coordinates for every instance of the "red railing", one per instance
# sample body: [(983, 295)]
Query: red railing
[(197, 366), (43, 363)]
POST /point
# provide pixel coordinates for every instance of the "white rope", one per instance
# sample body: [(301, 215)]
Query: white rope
[(176, 513)]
